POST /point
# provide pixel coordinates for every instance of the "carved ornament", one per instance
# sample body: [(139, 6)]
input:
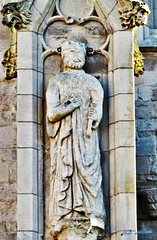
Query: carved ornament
[(138, 61), (133, 13), (16, 16)]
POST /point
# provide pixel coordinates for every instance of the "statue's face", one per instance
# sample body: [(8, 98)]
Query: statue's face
[(142, 16), (7, 17), (73, 58)]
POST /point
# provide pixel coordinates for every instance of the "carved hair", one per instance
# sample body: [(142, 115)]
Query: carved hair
[(130, 18), (16, 14)]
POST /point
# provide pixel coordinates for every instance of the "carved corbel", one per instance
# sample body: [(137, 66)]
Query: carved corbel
[(133, 14), (16, 16)]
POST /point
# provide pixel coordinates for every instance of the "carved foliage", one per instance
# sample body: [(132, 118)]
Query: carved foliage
[(134, 13)]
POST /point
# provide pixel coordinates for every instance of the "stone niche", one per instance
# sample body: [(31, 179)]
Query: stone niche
[(90, 30), (97, 25)]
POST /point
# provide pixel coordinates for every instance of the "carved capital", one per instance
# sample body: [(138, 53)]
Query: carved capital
[(133, 13)]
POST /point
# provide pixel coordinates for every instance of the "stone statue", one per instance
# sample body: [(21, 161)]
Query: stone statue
[(74, 111)]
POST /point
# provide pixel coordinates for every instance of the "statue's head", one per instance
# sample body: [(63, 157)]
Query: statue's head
[(73, 54), (16, 14), (136, 15), (142, 13)]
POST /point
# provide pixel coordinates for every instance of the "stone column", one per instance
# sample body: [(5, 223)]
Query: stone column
[(29, 149), (122, 137)]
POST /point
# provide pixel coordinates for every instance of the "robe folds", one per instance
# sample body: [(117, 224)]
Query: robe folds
[(75, 174)]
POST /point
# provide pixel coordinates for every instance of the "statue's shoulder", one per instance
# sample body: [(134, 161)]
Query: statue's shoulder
[(93, 80)]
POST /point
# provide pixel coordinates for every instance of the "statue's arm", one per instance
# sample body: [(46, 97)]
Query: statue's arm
[(56, 110), (64, 109), (96, 108)]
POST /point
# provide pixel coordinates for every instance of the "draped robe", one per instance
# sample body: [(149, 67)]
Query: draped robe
[(75, 174)]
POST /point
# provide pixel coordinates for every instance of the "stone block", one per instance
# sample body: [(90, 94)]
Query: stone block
[(8, 211), (146, 110), (143, 165), (105, 173), (112, 170), (113, 18), (111, 136), (125, 175), (148, 79), (125, 213), (26, 235), (27, 135), (8, 236), (110, 84), (7, 118), (40, 84), (8, 155), (40, 110), (8, 96), (104, 142), (146, 146), (8, 137), (123, 49), (4, 172), (127, 235), (111, 110), (12, 172), (27, 171), (124, 134), (113, 214), (40, 173), (27, 107), (27, 82), (27, 212), (124, 81), (145, 93), (124, 107), (27, 50), (150, 62), (41, 216)]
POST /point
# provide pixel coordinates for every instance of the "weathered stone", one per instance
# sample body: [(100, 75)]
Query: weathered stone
[(7, 236), (8, 96), (146, 146), (4, 172), (146, 124), (7, 118), (145, 93), (143, 165), (8, 139), (8, 155)]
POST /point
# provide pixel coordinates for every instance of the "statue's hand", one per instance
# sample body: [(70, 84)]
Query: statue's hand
[(73, 103), (92, 114)]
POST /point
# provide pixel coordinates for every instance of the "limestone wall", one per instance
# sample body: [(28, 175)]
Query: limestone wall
[(7, 147), (146, 126)]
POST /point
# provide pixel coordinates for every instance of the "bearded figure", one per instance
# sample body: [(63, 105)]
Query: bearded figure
[(74, 111)]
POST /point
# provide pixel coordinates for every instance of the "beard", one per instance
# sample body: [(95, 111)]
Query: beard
[(74, 64)]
